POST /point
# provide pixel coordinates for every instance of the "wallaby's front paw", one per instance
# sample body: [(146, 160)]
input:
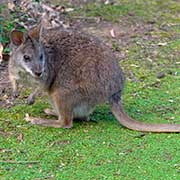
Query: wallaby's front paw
[(15, 94), (30, 100)]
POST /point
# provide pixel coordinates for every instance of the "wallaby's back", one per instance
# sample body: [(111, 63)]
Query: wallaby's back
[(83, 65)]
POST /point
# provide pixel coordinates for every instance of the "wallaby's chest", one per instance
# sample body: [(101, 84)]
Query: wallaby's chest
[(27, 79)]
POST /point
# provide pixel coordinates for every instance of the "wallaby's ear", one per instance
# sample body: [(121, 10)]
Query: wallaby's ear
[(34, 33), (17, 37), (43, 31)]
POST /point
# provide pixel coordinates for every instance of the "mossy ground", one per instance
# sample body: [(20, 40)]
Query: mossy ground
[(103, 149)]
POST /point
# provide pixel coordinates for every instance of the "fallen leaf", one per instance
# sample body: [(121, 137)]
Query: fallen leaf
[(1, 51), (69, 9), (162, 43), (5, 97), (107, 2), (30, 166), (172, 118), (11, 6), (85, 131), (27, 118), (20, 137), (112, 33), (134, 65)]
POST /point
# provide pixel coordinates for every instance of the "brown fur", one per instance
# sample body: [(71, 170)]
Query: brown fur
[(79, 73)]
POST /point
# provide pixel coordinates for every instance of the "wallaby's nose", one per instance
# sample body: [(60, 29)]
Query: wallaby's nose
[(38, 73)]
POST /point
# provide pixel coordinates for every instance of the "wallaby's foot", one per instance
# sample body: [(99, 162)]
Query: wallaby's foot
[(15, 93), (30, 100), (50, 112), (48, 123)]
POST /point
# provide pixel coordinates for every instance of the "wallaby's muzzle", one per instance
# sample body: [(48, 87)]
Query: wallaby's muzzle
[(38, 73)]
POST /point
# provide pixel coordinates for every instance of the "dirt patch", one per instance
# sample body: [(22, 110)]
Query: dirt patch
[(125, 32)]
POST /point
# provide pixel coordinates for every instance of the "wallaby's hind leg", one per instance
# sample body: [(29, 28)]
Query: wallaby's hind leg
[(64, 121), (65, 116), (44, 122)]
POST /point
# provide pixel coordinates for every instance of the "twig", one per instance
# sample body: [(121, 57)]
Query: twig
[(19, 162), (4, 82)]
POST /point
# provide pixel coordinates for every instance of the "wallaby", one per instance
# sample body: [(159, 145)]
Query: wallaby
[(77, 71)]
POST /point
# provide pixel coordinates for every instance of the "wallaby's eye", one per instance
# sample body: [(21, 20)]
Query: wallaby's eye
[(27, 58)]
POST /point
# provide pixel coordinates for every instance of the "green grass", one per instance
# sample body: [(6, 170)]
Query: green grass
[(103, 149), (109, 12), (155, 10)]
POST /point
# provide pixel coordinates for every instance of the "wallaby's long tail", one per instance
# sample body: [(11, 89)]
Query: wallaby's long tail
[(130, 123)]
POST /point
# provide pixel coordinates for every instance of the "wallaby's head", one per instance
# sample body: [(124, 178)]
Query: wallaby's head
[(27, 54)]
